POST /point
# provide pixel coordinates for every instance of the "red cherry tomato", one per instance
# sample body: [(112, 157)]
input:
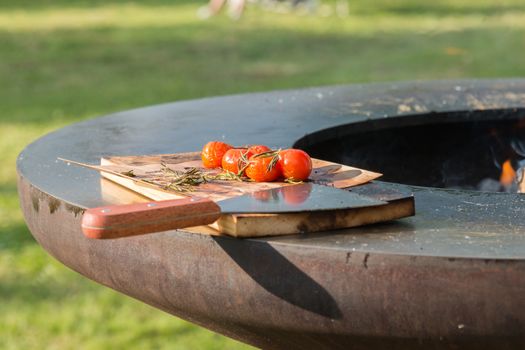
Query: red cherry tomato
[(260, 170), (257, 149), (295, 164), (213, 152), (233, 160)]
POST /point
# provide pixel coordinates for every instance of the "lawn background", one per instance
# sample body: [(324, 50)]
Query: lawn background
[(62, 61)]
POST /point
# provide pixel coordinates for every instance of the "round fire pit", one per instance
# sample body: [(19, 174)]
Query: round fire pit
[(452, 276)]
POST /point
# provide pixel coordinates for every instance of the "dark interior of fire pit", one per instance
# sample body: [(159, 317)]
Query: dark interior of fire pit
[(464, 150)]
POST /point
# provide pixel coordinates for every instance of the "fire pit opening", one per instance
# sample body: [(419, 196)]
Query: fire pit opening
[(472, 150)]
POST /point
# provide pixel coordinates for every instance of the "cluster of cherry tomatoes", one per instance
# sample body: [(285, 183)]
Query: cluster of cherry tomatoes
[(258, 162)]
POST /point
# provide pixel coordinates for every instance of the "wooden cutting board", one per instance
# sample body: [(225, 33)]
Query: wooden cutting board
[(137, 172)]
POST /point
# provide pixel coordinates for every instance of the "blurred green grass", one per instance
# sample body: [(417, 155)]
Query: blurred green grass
[(62, 61)]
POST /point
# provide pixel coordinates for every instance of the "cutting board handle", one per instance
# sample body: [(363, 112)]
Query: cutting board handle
[(141, 218)]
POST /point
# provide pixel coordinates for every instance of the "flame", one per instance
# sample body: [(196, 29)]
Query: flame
[(507, 174)]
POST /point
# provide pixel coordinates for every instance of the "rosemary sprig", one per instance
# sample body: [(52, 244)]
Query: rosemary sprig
[(270, 153), (129, 173), (242, 163), (273, 162), (181, 181), (275, 158), (293, 181), (226, 175), (188, 180)]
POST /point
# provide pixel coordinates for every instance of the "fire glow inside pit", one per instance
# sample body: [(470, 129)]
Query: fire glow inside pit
[(474, 150)]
